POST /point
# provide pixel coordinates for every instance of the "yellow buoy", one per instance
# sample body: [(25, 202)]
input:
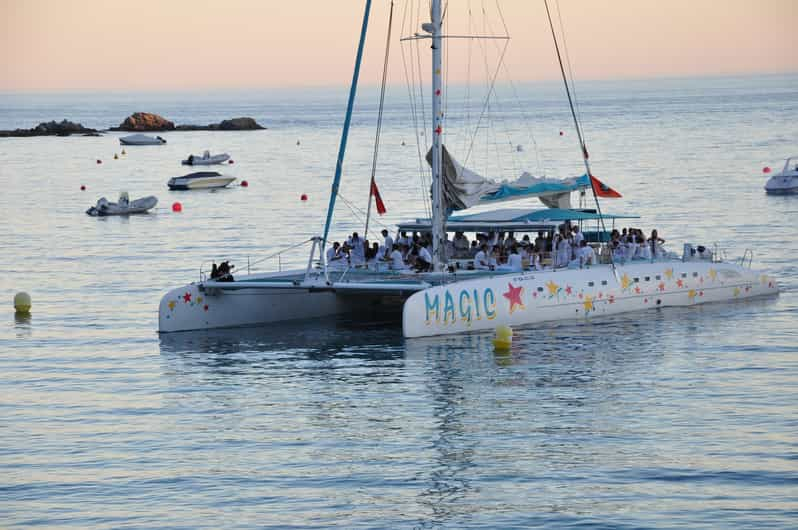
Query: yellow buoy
[(504, 338), (22, 302)]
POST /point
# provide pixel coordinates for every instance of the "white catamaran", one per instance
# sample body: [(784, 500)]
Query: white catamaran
[(457, 295)]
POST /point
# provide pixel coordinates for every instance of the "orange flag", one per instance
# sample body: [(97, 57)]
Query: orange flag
[(377, 199), (602, 190)]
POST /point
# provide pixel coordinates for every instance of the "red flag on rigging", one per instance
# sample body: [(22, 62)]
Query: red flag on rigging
[(602, 190), (377, 199)]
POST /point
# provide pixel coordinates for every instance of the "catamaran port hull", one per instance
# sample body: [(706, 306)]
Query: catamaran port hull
[(529, 298)]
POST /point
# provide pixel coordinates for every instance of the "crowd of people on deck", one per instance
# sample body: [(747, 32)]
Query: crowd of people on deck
[(499, 251)]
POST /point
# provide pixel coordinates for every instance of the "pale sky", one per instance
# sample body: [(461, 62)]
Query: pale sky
[(54, 45)]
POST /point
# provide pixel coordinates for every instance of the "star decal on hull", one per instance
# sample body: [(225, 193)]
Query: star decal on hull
[(513, 295)]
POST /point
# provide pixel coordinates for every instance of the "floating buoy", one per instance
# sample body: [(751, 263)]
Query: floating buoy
[(22, 302), (177, 207), (99, 161), (244, 183), (116, 156), (562, 133), (230, 161), (123, 152), (297, 142), (519, 148), (504, 338), (403, 143), (303, 197), (766, 169), (82, 187)]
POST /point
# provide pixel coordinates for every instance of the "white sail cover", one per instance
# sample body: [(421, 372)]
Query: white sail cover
[(463, 188)]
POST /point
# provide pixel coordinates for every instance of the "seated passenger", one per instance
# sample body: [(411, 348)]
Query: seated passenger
[(334, 253), (514, 260), (396, 259), (461, 245), (655, 244), (481, 260), (423, 259), (587, 256)]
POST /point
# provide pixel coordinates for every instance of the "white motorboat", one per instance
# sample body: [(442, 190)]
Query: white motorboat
[(201, 180), (462, 294), (207, 159), (786, 181), (123, 206), (141, 139)]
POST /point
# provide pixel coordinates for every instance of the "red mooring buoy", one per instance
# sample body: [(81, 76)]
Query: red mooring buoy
[(303, 197), (177, 207), (244, 183), (766, 169)]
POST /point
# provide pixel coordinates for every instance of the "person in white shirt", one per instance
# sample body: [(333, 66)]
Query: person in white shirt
[(481, 258), (334, 255), (388, 243), (460, 245), (424, 261), (563, 256), (587, 256), (396, 259), (577, 236), (514, 260), (358, 253)]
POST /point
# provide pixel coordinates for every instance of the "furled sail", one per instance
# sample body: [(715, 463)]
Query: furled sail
[(463, 188)]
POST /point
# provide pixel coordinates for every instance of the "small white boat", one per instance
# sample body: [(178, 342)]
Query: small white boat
[(207, 159), (141, 139), (785, 182), (123, 207), (200, 180)]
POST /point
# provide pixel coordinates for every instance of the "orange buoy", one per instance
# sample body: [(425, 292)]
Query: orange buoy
[(177, 207), (303, 197), (244, 183)]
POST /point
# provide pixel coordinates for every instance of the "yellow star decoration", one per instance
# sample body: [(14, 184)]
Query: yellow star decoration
[(588, 303), (669, 274), (171, 305), (199, 299), (691, 294), (763, 279), (713, 274), (553, 288), (736, 291), (625, 281)]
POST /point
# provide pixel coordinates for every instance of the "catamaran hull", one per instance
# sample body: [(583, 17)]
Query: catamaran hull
[(529, 298), (194, 308)]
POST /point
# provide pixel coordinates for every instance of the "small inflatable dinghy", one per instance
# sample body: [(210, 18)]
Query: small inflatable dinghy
[(207, 159), (124, 207)]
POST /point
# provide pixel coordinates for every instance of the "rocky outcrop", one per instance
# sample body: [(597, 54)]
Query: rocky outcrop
[(145, 122), (235, 124), (52, 128)]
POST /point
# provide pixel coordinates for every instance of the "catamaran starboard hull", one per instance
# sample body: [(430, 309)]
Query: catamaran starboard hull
[(529, 298)]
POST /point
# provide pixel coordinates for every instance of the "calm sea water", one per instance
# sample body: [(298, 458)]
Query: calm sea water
[(676, 418)]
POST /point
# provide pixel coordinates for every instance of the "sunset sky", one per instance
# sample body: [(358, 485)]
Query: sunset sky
[(52, 45)]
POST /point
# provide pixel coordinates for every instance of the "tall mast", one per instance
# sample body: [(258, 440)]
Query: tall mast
[(339, 163), (438, 210)]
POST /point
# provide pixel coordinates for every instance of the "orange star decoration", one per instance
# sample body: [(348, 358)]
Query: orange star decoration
[(553, 288), (514, 294), (172, 305), (679, 283), (588, 303), (625, 281), (691, 294), (669, 274)]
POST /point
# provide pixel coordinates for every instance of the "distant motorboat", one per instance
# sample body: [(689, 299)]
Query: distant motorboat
[(124, 206), (141, 139), (199, 181), (786, 181), (207, 159)]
